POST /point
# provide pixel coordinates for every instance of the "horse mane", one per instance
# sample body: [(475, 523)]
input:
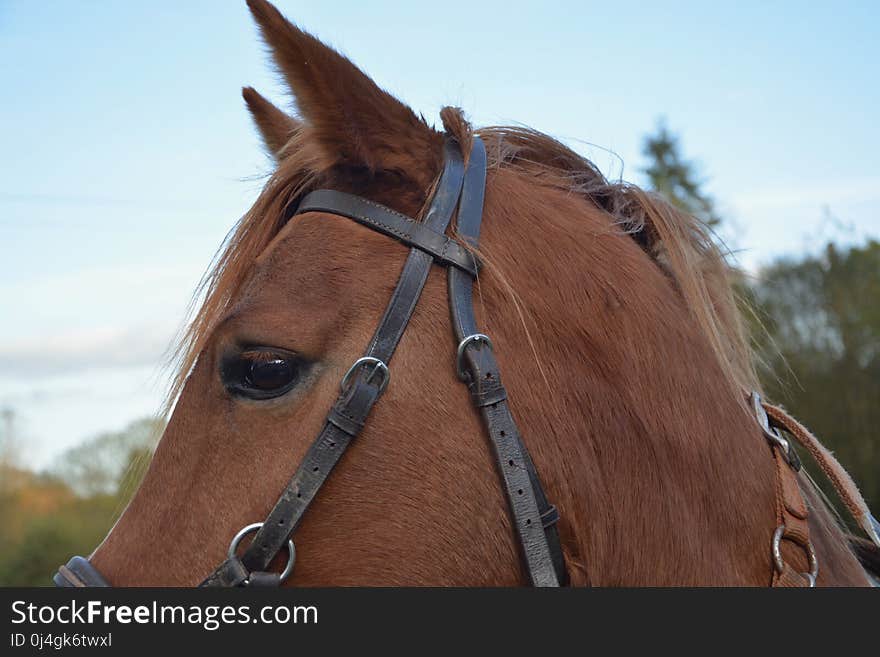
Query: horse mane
[(680, 244)]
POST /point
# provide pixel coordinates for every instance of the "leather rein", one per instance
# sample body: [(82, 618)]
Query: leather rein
[(534, 518)]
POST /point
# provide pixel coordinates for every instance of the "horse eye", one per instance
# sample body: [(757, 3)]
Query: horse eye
[(270, 374), (261, 373)]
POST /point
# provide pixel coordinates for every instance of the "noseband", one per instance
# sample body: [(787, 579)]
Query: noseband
[(534, 518)]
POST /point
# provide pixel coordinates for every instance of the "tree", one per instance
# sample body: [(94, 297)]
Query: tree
[(104, 463), (674, 177), (51, 515), (9, 446), (820, 351)]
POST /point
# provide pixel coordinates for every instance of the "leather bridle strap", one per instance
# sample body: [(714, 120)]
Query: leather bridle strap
[(444, 249), (534, 517), (349, 413)]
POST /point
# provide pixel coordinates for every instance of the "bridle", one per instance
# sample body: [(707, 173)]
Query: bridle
[(461, 187)]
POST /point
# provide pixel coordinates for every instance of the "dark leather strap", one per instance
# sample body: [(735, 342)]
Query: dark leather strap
[(79, 573), (545, 565), (351, 409), (390, 222), (549, 519)]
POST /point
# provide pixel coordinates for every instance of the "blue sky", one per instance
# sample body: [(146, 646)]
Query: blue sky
[(127, 153)]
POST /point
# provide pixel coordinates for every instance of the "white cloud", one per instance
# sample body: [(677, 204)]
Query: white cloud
[(100, 317), (100, 348)]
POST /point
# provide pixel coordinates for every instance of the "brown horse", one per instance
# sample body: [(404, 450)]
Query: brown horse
[(613, 320)]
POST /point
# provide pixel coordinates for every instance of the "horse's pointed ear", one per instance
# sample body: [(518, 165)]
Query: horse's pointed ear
[(354, 121), (275, 126)]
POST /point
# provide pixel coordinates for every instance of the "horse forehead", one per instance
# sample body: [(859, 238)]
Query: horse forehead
[(309, 232), (327, 252)]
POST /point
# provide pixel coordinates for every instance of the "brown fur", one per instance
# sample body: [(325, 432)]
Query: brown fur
[(613, 322)]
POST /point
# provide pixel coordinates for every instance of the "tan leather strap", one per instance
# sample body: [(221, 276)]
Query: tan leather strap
[(839, 478), (793, 558), (789, 578)]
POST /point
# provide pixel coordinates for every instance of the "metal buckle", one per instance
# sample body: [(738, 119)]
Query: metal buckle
[(291, 549), (780, 564), (367, 360), (772, 433), (459, 358)]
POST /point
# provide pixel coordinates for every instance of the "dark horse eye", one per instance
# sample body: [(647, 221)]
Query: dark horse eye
[(271, 374), (261, 373)]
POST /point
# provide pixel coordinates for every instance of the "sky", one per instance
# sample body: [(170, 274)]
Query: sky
[(126, 154)]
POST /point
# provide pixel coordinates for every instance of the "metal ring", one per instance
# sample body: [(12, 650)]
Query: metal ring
[(244, 531), (780, 564), (459, 357), (365, 360)]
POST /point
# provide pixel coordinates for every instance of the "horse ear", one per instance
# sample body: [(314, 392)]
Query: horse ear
[(275, 126), (355, 122)]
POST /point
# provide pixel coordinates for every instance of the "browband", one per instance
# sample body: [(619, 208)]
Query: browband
[(389, 222)]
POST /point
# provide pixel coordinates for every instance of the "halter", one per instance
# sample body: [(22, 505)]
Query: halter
[(534, 517)]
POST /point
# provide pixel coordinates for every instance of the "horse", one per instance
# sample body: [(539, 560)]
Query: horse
[(611, 313)]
